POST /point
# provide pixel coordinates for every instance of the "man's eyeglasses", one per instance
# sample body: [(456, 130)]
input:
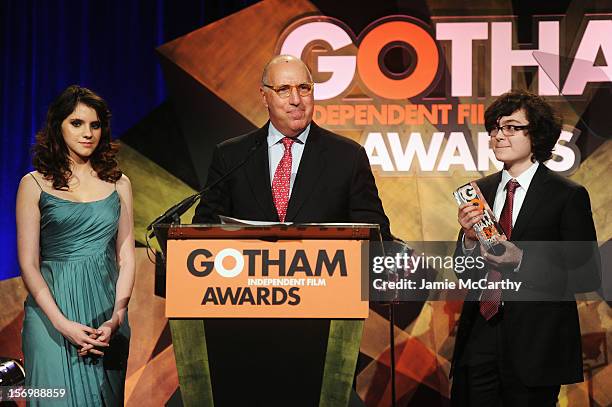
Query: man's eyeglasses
[(508, 130), (284, 91)]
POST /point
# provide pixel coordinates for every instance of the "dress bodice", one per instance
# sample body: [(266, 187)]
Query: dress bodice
[(73, 230)]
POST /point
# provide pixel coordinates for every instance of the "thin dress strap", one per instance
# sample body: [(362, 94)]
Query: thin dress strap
[(35, 180)]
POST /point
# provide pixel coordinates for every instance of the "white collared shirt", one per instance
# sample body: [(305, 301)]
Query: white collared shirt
[(276, 151), (520, 193)]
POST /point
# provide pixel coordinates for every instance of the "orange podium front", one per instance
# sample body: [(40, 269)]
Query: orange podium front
[(258, 279), (266, 315)]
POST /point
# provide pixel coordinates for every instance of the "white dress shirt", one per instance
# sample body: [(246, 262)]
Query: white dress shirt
[(276, 149), (520, 193)]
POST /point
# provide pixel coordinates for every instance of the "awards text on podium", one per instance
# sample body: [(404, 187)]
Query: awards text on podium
[(258, 279)]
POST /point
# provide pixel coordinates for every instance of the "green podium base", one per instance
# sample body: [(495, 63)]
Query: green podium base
[(236, 346)]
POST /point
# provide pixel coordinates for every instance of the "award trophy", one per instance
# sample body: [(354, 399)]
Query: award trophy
[(488, 231)]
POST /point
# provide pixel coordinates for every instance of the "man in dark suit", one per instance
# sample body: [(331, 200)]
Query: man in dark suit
[(510, 352), (297, 171), (290, 170)]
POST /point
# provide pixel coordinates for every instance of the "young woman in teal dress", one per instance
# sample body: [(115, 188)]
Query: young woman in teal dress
[(76, 253)]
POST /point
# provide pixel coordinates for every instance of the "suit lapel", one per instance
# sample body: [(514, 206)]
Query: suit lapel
[(309, 172), (534, 196), (488, 187), (258, 174)]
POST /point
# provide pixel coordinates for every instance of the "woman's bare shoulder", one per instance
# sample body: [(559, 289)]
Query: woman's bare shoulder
[(124, 185), (30, 185), (34, 178)]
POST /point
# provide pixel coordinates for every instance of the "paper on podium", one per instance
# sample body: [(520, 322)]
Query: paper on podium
[(228, 220)]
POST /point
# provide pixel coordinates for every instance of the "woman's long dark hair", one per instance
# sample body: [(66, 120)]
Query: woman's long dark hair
[(50, 154)]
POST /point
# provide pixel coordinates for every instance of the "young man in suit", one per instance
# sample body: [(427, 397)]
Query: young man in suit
[(296, 171), (517, 353)]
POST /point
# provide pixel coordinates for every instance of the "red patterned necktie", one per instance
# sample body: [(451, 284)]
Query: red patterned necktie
[(490, 299), (282, 180)]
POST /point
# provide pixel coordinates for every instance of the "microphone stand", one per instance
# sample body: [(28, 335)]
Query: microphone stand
[(392, 351), (173, 214), (404, 248)]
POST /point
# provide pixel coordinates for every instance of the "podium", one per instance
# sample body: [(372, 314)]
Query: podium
[(266, 315)]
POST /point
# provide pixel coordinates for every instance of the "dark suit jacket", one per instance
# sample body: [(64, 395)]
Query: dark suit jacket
[(542, 338), (334, 183)]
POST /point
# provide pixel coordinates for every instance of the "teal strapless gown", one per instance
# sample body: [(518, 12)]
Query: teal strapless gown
[(78, 262)]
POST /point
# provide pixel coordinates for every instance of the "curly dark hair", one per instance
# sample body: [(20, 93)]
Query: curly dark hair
[(544, 124), (50, 154)]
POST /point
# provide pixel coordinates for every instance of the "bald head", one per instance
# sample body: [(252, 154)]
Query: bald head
[(278, 62)]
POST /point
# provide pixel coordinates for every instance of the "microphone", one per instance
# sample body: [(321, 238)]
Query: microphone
[(174, 213)]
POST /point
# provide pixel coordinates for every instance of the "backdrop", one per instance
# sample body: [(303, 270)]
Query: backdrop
[(408, 80)]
